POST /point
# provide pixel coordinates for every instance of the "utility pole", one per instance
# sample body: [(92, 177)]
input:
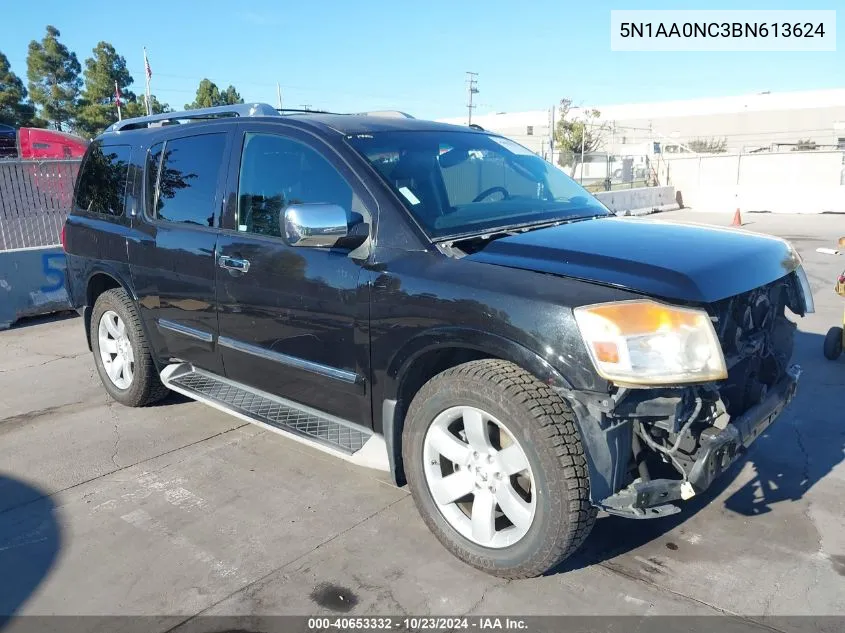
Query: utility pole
[(583, 138), (472, 89), (552, 135), (279, 95)]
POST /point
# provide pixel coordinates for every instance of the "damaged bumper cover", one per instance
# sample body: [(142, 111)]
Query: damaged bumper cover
[(720, 448)]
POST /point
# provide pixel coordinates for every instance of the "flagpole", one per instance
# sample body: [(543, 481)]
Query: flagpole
[(147, 75), (117, 100)]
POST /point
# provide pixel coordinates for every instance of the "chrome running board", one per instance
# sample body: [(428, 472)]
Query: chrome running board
[(327, 433)]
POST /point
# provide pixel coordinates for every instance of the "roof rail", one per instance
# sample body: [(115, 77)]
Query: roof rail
[(390, 114), (303, 110), (238, 109)]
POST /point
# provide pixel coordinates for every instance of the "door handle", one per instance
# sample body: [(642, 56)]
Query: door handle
[(234, 263)]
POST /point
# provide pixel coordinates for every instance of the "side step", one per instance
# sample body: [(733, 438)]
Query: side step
[(330, 434)]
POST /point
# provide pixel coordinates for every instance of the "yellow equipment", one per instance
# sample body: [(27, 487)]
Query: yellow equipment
[(835, 339)]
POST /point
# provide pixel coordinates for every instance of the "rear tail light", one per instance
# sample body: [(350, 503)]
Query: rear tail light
[(64, 245)]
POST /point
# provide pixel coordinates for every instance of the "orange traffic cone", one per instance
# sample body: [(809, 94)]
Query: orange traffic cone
[(737, 218)]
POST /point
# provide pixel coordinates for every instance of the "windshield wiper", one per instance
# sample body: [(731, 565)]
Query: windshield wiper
[(513, 229)]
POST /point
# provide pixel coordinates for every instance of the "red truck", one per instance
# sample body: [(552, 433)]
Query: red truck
[(31, 143)]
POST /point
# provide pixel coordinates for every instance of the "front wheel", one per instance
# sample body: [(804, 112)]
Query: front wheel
[(496, 468), (833, 343)]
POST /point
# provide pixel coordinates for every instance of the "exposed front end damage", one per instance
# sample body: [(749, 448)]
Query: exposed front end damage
[(651, 447)]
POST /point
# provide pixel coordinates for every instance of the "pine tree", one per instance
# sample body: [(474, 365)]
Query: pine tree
[(230, 96), (97, 107), (54, 82), (137, 107), (208, 95), (14, 108)]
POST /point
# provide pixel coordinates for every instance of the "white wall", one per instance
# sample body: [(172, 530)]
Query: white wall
[(787, 182)]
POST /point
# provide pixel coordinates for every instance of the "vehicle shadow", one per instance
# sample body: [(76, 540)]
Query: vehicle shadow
[(172, 398), (52, 317), (797, 451), (30, 541)]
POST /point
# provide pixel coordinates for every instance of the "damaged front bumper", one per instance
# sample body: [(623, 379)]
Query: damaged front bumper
[(719, 449)]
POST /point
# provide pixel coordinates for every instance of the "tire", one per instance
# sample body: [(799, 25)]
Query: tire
[(833, 343), (542, 425), (140, 385)]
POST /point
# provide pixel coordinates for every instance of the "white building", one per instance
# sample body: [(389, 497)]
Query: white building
[(748, 123)]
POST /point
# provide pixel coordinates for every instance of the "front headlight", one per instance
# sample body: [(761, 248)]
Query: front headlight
[(806, 290), (649, 343), (797, 265)]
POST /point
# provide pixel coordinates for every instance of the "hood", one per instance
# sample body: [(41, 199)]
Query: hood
[(685, 262)]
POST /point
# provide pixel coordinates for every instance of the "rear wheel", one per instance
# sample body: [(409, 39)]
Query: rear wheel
[(496, 468), (833, 343), (121, 352)]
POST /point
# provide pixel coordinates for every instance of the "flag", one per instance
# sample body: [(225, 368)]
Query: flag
[(117, 94), (147, 68)]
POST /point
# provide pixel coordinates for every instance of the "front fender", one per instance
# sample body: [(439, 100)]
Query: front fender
[(471, 339), (607, 450)]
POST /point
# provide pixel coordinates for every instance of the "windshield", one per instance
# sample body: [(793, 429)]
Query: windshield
[(458, 183)]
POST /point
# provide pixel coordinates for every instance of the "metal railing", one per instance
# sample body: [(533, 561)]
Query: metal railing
[(35, 199)]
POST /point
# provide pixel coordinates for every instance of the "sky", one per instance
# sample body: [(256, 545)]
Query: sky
[(350, 56)]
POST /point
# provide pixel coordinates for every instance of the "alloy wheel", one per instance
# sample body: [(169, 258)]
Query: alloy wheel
[(479, 477), (116, 350)]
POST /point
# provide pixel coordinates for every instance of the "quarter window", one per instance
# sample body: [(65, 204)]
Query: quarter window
[(278, 171), (102, 183), (182, 174)]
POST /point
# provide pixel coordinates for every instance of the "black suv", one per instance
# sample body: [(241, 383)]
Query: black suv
[(435, 301)]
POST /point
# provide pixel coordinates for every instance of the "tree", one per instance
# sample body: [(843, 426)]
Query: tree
[(209, 95), (53, 74), (575, 138), (15, 110), (805, 145), (97, 107), (230, 96), (137, 107), (708, 145)]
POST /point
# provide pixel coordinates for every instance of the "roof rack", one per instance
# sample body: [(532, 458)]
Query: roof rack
[(238, 109)]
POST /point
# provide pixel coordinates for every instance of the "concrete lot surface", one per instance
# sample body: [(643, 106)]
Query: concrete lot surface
[(179, 509)]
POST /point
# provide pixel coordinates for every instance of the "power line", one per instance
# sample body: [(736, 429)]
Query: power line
[(270, 86)]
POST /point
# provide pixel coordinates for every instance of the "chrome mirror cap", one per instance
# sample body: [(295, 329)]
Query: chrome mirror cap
[(315, 224)]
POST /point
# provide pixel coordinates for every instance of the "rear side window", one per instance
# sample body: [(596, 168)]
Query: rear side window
[(182, 179), (102, 182)]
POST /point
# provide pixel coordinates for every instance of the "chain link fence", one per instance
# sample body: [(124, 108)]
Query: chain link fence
[(35, 199), (600, 171)]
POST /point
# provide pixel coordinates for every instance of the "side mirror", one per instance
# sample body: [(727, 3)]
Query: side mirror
[(314, 224), (453, 157)]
